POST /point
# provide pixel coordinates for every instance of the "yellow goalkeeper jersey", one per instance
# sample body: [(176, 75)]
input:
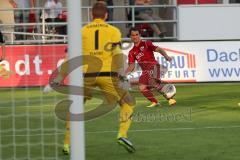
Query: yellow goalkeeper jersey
[(99, 40)]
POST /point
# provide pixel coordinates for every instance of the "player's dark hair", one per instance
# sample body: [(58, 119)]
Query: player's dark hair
[(99, 10), (134, 29)]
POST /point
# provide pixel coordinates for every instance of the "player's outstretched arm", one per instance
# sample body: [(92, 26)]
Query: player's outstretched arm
[(163, 53), (130, 68), (127, 72)]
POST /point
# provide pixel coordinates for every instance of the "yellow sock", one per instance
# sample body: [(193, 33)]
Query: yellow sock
[(67, 133), (125, 120)]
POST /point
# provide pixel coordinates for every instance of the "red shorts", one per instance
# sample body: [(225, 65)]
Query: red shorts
[(153, 72)]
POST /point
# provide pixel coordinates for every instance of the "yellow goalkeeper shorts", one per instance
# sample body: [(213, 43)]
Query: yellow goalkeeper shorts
[(109, 87)]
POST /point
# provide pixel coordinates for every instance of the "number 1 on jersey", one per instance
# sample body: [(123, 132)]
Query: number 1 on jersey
[(96, 39)]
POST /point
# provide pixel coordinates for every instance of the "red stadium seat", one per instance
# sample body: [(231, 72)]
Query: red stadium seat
[(63, 16), (198, 1), (32, 19), (145, 29)]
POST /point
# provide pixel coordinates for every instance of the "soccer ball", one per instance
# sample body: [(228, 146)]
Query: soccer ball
[(168, 91)]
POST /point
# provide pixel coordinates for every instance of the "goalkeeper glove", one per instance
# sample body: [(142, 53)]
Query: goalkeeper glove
[(47, 89), (56, 81), (53, 83)]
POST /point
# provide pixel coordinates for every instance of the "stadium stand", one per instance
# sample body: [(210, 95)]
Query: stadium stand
[(124, 25), (145, 29), (198, 2)]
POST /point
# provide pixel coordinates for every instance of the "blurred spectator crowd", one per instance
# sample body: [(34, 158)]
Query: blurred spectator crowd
[(22, 12), (52, 14)]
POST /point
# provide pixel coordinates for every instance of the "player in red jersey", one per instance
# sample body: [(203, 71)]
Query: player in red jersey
[(143, 53)]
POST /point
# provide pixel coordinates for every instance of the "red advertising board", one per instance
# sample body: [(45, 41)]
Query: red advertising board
[(31, 65)]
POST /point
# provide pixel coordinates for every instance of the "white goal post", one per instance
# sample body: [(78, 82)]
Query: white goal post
[(75, 49)]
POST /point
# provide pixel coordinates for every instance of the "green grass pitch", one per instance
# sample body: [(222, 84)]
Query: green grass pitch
[(204, 125)]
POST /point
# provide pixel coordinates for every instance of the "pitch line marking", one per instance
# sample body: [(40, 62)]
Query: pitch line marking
[(168, 129), (137, 130)]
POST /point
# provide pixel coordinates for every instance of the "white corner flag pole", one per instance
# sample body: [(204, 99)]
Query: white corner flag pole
[(75, 49)]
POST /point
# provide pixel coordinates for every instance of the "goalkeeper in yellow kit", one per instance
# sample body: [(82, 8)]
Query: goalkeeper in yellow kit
[(102, 41)]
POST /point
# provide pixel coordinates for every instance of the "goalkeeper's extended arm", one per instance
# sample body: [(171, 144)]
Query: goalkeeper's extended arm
[(56, 81), (62, 73)]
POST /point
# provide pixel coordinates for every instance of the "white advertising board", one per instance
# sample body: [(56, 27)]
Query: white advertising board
[(208, 22)]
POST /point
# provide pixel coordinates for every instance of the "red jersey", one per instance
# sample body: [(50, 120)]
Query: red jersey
[(143, 54)]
